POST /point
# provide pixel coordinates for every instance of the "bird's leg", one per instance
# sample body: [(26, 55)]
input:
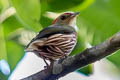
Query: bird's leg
[(61, 59), (47, 65), (65, 56), (52, 63)]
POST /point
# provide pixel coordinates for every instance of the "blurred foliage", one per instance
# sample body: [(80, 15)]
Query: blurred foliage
[(99, 19), (28, 14)]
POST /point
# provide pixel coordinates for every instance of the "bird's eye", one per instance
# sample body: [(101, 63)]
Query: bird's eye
[(63, 17)]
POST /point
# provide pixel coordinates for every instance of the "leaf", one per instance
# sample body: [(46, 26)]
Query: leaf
[(28, 13), (4, 4), (87, 70), (3, 54), (62, 5), (100, 18), (10, 25), (59, 5), (0, 7), (115, 59), (103, 19), (14, 52), (10, 50), (85, 4), (45, 22), (3, 77)]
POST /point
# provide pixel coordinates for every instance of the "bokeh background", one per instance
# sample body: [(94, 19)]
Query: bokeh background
[(21, 20)]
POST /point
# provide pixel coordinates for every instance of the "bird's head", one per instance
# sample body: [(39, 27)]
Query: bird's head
[(67, 18)]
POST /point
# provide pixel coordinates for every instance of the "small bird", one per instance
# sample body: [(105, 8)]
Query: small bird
[(57, 40)]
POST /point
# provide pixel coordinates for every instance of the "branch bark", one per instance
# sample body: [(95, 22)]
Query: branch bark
[(72, 63)]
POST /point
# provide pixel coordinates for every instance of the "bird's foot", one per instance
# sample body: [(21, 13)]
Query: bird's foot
[(46, 67), (61, 59)]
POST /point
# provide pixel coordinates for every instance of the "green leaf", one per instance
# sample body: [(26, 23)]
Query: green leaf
[(59, 5), (45, 21), (99, 17), (10, 50), (3, 77), (14, 53), (82, 6), (103, 19), (28, 12), (115, 59), (14, 50), (3, 54), (87, 70), (4, 4), (0, 7), (10, 25)]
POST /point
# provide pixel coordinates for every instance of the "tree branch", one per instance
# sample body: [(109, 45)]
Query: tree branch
[(72, 63)]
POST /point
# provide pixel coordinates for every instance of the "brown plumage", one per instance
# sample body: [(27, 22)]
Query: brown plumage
[(56, 41)]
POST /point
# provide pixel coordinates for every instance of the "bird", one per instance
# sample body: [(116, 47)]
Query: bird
[(57, 40)]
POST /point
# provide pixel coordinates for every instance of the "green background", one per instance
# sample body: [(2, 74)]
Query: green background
[(98, 20)]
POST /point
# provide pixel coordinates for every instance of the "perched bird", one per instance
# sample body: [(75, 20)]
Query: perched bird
[(57, 40)]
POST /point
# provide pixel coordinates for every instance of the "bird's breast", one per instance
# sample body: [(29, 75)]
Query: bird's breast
[(63, 43)]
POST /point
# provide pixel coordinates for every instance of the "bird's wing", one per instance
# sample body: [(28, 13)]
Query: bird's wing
[(49, 31)]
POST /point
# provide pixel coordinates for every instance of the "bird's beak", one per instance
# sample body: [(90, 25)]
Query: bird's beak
[(75, 14)]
